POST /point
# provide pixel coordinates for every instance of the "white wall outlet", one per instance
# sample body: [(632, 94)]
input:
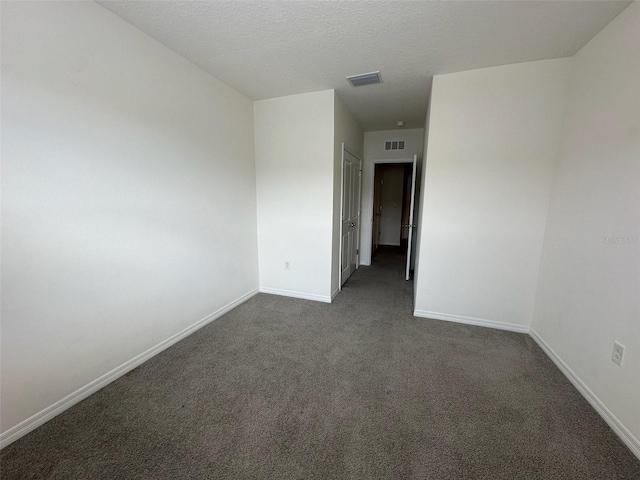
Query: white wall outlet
[(287, 265), (618, 353)]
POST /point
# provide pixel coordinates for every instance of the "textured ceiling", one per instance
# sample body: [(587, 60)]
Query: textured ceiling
[(268, 49)]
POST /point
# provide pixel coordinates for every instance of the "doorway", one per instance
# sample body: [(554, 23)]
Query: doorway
[(393, 208)]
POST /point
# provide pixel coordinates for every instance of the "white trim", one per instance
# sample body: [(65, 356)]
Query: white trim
[(412, 206), (334, 294), (372, 186), (46, 414), (480, 322), (350, 152), (341, 219), (291, 293), (359, 222), (616, 425)]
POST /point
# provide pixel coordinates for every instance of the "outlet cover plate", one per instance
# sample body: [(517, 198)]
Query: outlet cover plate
[(618, 353)]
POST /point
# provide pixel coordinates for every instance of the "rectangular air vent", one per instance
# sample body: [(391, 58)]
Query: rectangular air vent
[(364, 79), (394, 145)]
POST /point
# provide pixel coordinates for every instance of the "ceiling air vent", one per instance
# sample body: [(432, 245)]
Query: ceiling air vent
[(394, 145), (364, 79)]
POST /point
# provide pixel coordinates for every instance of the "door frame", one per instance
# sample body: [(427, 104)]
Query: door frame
[(372, 185), (343, 149), (411, 225)]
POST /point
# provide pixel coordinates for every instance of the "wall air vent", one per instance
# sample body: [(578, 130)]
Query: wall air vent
[(364, 79), (394, 145)]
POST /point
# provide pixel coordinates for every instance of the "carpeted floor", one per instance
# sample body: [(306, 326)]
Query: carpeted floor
[(282, 388)]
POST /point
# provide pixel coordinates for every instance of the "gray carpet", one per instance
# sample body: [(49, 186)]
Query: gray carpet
[(282, 388)]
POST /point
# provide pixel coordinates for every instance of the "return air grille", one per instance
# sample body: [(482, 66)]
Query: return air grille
[(364, 79), (394, 145)]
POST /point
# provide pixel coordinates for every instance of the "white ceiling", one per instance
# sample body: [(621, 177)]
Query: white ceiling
[(268, 49)]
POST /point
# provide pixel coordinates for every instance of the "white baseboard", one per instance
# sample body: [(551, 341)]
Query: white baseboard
[(43, 416), (50, 412), (616, 425), (290, 293), (480, 322)]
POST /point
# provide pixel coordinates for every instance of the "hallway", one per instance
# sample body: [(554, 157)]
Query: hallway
[(381, 286)]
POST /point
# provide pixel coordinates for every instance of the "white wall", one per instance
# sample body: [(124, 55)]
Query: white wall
[(128, 198), (294, 145), (493, 140), (589, 283), (347, 131), (419, 203), (374, 150)]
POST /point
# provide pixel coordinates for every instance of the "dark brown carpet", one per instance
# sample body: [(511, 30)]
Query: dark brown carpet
[(281, 388)]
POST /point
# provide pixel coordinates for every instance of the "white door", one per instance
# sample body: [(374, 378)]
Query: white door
[(350, 227), (411, 226)]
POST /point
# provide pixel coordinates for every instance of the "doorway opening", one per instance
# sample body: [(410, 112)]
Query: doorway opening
[(392, 217)]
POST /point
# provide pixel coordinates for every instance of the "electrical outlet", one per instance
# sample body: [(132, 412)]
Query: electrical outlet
[(287, 265), (618, 353)]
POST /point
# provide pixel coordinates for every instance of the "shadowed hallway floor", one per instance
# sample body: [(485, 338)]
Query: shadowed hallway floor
[(282, 388)]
